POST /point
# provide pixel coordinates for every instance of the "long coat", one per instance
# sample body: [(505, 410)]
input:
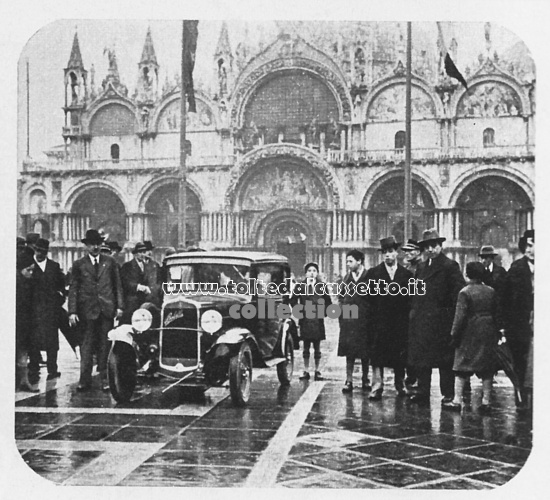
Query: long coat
[(388, 320), (495, 279), (432, 314), (313, 329), (517, 301), (153, 280), (23, 308), (353, 334), (132, 276), (474, 330), (48, 297), (91, 295)]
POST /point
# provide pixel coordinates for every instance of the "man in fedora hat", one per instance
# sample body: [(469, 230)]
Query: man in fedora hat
[(134, 282), (152, 274), (388, 320), (95, 300), (431, 318), (48, 284), (494, 275), (518, 305)]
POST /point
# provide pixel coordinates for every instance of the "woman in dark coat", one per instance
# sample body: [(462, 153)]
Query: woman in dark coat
[(312, 330), (474, 335)]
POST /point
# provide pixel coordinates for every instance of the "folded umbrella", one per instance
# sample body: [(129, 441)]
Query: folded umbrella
[(506, 363), (71, 333)]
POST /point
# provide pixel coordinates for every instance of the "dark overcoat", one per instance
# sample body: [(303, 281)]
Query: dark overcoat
[(474, 329), (132, 276), (495, 279), (313, 329), (23, 311), (388, 320), (153, 281), (48, 297), (517, 301), (353, 332), (432, 314), (92, 294)]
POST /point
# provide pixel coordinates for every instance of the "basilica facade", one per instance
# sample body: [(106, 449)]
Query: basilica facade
[(297, 148)]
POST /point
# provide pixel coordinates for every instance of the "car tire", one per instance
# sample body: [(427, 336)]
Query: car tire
[(240, 375), (122, 371), (286, 368)]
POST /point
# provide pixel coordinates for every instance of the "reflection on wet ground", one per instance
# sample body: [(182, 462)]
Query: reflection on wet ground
[(308, 435)]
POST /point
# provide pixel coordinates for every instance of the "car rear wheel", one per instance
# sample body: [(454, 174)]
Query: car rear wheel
[(240, 375), (286, 368), (122, 371)]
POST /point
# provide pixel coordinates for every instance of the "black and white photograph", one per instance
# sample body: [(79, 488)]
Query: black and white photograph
[(282, 250)]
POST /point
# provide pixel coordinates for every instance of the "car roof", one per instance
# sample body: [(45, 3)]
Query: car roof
[(196, 256)]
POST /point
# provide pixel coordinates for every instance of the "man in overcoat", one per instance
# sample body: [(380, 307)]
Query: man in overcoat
[(352, 342), (493, 275), (134, 282), (95, 299), (388, 319), (152, 275), (431, 318), (48, 284), (518, 305)]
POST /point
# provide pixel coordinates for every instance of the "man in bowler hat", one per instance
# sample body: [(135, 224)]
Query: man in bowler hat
[(48, 284), (95, 300), (388, 320), (431, 319)]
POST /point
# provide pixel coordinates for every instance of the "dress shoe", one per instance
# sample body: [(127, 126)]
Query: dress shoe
[(366, 387), (305, 376), (104, 385), (420, 399), (348, 387), (318, 376), (54, 375), (83, 387), (452, 406), (376, 395), (446, 400)]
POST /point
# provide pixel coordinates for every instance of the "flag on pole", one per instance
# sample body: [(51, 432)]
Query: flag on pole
[(190, 34), (450, 67)]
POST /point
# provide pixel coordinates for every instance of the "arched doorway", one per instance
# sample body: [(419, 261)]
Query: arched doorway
[(386, 209), (494, 211), (162, 215), (103, 210)]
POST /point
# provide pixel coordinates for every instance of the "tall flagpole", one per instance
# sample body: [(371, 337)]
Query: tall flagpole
[(408, 177), (182, 198), (28, 114)]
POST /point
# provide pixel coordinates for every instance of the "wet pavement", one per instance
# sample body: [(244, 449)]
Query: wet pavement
[(308, 435)]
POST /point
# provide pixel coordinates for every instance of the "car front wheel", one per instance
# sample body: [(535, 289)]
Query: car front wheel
[(286, 367), (122, 371), (240, 375)]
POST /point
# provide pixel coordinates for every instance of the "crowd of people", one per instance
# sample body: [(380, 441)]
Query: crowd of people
[(453, 325), (99, 290)]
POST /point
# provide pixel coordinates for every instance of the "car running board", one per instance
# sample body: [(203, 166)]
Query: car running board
[(274, 361)]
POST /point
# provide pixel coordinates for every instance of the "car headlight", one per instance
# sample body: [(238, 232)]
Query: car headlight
[(211, 321), (141, 320)]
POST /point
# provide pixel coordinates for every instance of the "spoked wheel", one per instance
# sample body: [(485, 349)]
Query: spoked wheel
[(122, 371), (286, 368), (240, 375)]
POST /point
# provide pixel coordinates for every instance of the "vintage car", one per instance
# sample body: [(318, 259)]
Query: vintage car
[(206, 332)]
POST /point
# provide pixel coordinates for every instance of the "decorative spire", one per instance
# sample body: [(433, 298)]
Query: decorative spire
[(148, 55), (75, 60), (224, 46)]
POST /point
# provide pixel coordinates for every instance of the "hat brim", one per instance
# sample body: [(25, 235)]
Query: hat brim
[(395, 246), (487, 254), (431, 240), (87, 241)]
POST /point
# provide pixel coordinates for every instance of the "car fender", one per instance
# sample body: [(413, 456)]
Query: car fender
[(123, 333), (234, 336)]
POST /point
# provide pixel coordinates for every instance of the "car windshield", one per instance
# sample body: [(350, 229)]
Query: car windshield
[(208, 273)]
